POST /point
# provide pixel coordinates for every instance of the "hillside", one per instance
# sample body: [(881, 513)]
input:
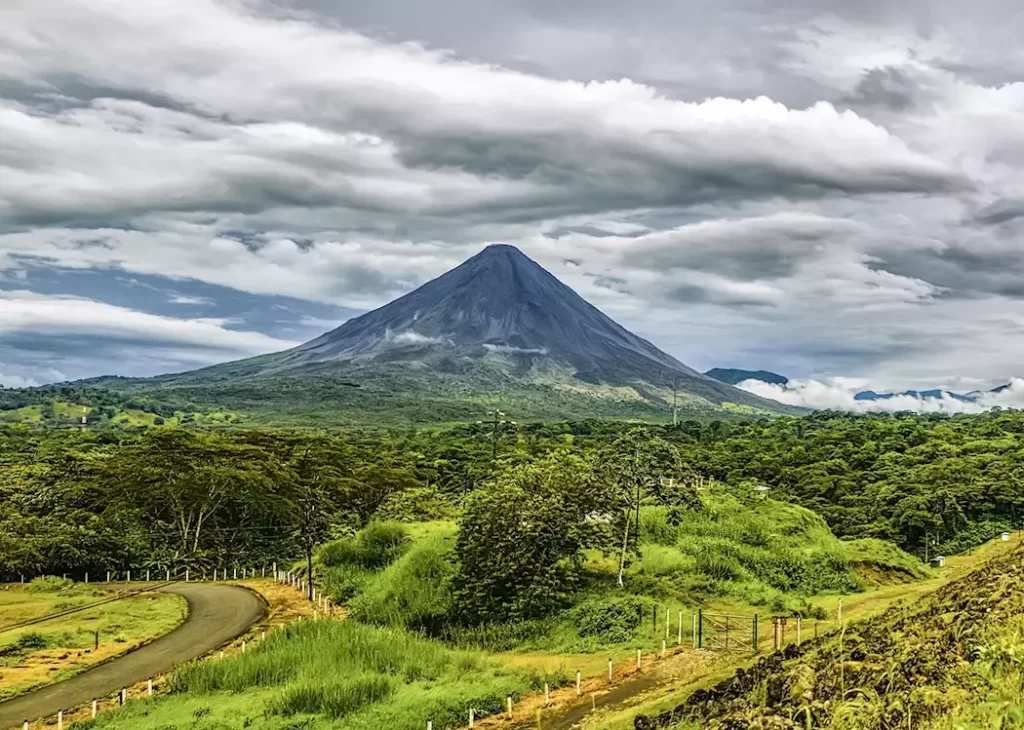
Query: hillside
[(498, 330), (732, 376), (951, 661)]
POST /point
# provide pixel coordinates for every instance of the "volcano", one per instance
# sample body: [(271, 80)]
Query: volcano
[(499, 316)]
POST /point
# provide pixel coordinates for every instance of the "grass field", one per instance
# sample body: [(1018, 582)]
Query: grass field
[(53, 650)]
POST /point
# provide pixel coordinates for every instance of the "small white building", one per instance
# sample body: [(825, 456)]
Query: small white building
[(940, 561), (1005, 537)]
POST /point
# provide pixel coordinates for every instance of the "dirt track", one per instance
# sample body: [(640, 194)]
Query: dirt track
[(217, 614)]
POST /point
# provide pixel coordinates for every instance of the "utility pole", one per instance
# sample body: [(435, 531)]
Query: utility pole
[(675, 408), (496, 420)]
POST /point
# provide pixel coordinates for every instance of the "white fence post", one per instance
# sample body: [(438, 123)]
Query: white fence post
[(149, 687)]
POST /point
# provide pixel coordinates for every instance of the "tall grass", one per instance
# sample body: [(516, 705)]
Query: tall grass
[(367, 675), (413, 591)]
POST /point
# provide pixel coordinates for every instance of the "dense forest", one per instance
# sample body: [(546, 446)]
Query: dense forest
[(79, 500)]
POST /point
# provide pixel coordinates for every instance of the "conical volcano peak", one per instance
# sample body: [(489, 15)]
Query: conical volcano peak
[(502, 249), (498, 314)]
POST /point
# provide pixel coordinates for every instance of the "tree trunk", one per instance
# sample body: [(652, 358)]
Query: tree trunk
[(309, 569), (622, 556)]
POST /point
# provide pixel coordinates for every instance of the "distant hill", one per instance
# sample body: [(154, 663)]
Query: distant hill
[(497, 329), (733, 376), (936, 393)]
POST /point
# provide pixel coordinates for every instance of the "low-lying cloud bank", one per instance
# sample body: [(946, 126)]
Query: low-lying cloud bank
[(839, 394)]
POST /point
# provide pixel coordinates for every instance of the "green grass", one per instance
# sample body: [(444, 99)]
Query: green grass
[(333, 674)]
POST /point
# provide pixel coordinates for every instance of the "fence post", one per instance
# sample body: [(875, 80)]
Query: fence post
[(86, 577), (547, 694), (108, 577), (727, 632), (639, 654), (147, 575), (95, 708), (700, 628), (798, 631), (609, 669), (60, 719), (579, 678), (756, 651), (679, 639), (186, 575), (839, 612), (654, 618), (668, 622), (693, 630), (664, 648), (149, 688), (471, 718), (128, 577), (168, 574), (124, 695)]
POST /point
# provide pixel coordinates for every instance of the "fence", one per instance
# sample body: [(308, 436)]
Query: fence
[(726, 632)]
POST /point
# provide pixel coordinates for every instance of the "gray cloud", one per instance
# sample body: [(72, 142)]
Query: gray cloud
[(831, 186)]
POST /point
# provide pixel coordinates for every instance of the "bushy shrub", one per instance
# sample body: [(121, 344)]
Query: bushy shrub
[(382, 543), (613, 619), (31, 641), (418, 504), (50, 584), (375, 546)]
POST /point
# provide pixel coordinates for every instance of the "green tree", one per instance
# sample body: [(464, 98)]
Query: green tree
[(521, 538)]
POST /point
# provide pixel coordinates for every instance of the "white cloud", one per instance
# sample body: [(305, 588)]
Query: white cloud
[(196, 301), (36, 314), (411, 338), (838, 394)]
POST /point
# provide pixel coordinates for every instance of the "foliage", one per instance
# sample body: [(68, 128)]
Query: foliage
[(612, 618), (521, 539)]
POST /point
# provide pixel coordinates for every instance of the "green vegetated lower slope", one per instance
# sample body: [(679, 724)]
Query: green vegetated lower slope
[(760, 554), (952, 662)]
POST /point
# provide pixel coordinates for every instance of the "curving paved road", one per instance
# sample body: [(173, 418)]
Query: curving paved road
[(217, 614)]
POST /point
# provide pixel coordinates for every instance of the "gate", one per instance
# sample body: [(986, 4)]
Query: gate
[(726, 632)]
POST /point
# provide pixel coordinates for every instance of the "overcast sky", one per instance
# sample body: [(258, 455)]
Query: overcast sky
[(822, 188)]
